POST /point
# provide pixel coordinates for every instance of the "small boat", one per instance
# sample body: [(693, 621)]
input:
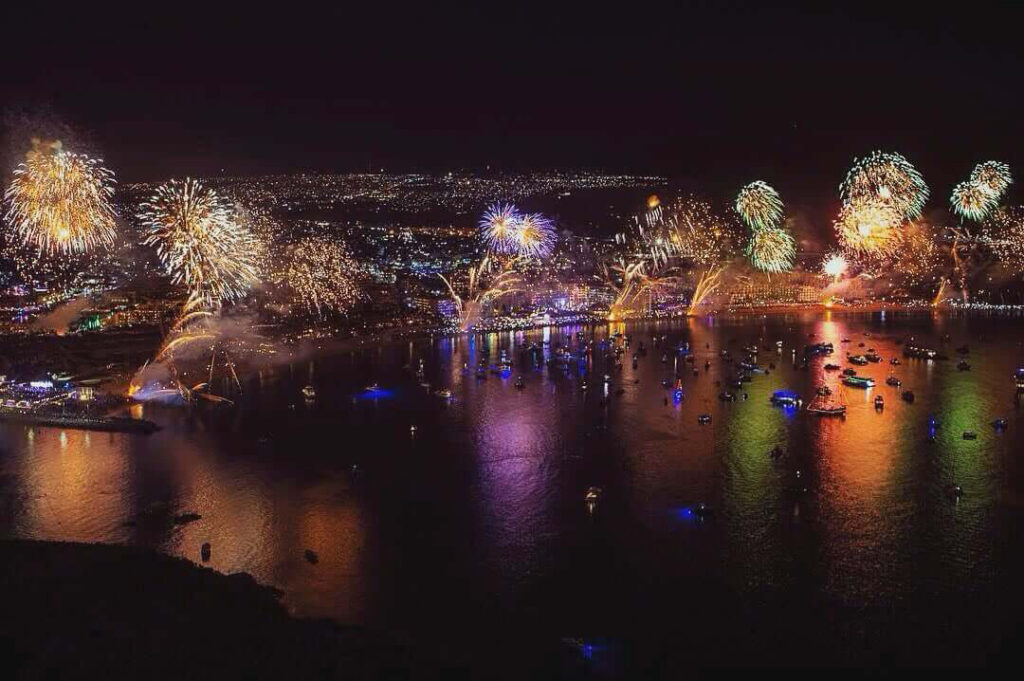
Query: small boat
[(726, 397), (372, 388), (895, 361), (956, 491), (873, 357), (703, 511), (309, 392), (204, 551), (592, 495), (444, 394), (832, 367), (970, 435), (859, 360), (908, 396), (849, 372), (776, 452), (826, 404), (519, 383), (859, 382), (704, 419), (893, 381), (785, 398), (1000, 424), (962, 365), (879, 402), (311, 557)]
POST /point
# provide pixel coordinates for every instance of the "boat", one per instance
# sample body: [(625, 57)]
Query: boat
[(311, 557), (970, 435), (1000, 424), (519, 383), (785, 398), (726, 397), (1019, 378), (919, 352), (859, 382), (444, 393), (832, 367), (592, 495), (859, 360), (704, 419), (895, 361), (908, 396), (873, 357), (879, 402), (849, 372), (826, 404), (818, 349), (372, 388), (309, 392), (962, 365), (893, 381)]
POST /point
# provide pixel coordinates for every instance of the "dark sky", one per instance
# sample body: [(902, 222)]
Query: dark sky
[(723, 92)]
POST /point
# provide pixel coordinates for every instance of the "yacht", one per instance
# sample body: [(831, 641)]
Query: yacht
[(859, 382)]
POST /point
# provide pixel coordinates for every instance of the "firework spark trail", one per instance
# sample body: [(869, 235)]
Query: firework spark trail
[(760, 206), (200, 242), (707, 284), (59, 202), (889, 179), (772, 250), (482, 290), (321, 272)]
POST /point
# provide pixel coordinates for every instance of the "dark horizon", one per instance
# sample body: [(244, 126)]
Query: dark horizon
[(718, 95)]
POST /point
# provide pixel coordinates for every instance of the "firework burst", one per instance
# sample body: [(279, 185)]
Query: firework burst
[(771, 250), (973, 200), (1004, 233), (200, 242), (59, 201), (498, 227), (834, 266), (993, 174), (760, 206), (533, 236), (321, 273), (886, 178), (869, 228)]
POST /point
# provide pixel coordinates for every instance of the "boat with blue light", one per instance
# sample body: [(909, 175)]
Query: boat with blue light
[(785, 398)]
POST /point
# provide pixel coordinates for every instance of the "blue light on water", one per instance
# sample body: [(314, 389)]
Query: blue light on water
[(375, 394)]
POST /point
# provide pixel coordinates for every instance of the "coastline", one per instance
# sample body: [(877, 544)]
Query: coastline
[(134, 613)]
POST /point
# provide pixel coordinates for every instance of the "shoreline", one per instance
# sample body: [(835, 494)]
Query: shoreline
[(131, 612)]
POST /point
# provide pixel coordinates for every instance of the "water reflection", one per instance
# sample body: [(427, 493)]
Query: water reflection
[(483, 509)]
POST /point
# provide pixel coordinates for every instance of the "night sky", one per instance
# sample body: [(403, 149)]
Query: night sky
[(721, 94)]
